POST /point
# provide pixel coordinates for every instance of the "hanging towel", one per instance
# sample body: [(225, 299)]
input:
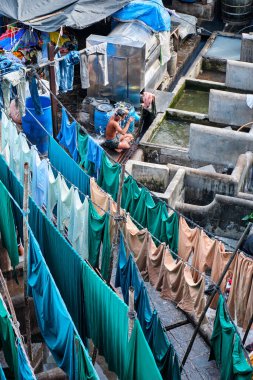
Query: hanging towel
[(54, 189), (94, 155), (67, 135), (84, 71), (39, 180), (99, 197), (187, 240), (240, 298), (64, 205), (78, 225), (109, 177)]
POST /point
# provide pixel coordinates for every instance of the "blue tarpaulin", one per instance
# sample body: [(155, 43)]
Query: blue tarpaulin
[(150, 12)]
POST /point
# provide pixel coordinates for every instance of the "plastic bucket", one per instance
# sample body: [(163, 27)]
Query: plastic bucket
[(34, 132), (102, 114)]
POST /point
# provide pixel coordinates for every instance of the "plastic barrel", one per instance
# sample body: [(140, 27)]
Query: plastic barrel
[(236, 12), (102, 114), (34, 132)]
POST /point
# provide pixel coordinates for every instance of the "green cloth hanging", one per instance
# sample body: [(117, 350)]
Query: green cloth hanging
[(7, 226), (107, 326), (7, 340), (109, 176), (226, 347), (99, 233), (153, 216)]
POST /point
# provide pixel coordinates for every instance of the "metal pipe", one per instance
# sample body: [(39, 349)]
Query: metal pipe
[(212, 295), (26, 248)]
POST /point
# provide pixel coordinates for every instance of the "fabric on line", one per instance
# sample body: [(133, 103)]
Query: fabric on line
[(67, 135), (240, 301), (226, 347), (67, 167), (64, 205), (187, 240), (162, 349), (39, 180), (53, 319), (96, 311), (24, 369), (109, 176), (2, 375), (7, 226)]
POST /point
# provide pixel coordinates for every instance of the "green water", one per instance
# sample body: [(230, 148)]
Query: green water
[(193, 101), (172, 132)]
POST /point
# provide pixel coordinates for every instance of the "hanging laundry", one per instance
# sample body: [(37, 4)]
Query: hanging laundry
[(99, 232), (64, 205), (53, 318), (69, 169), (101, 59), (26, 155), (39, 180), (241, 293), (67, 135), (25, 371), (187, 240), (2, 375), (78, 230), (94, 156), (155, 263), (65, 72), (100, 198), (204, 253), (33, 87), (17, 80), (82, 141), (54, 188), (7, 226), (162, 349), (226, 347), (84, 71), (8, 340), (109, 177)]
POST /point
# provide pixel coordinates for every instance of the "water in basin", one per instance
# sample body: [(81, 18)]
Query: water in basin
[(172, 132), (193, 101)]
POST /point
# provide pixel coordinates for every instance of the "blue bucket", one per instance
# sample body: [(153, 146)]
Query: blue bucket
[(34, 132), (102, 114)]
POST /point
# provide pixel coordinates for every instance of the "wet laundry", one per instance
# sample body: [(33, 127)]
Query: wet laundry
[(68, 135)]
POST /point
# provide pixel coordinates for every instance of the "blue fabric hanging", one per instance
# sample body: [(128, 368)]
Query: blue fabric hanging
[(163, 351), (24, 370), (69, 169), (94, 155), (53, 319), (68, 135), (2, 375)]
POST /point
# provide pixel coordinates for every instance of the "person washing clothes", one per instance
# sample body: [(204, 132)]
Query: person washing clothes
[(113, 129)]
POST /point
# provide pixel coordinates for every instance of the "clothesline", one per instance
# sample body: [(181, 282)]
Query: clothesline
[(141, 185)]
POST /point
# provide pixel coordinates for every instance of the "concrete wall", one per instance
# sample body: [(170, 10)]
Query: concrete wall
[(156, 178), (216, 145), (229, 108), (239, 75)]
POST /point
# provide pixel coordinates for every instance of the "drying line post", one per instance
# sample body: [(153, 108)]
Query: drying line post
[(210, 299), (131, 312), (52, 83), (26, 247), (118, 218)]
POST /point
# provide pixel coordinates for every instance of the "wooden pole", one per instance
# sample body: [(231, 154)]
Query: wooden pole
[(26, 247), (118, 219), (9, 300), (51, 53), (131, 312), (209, 301)]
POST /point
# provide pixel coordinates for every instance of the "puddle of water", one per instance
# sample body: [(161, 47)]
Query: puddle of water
[(172, 132), (193, 101)]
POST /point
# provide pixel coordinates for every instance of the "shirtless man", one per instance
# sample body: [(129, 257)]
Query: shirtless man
[(113, 129)]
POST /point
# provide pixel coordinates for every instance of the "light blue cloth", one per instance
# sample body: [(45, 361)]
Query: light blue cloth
[(68, 135), (94, 154), (69, 168), (53, 318), (150, 12), (39, 180), (2, 375), (24, 370)]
